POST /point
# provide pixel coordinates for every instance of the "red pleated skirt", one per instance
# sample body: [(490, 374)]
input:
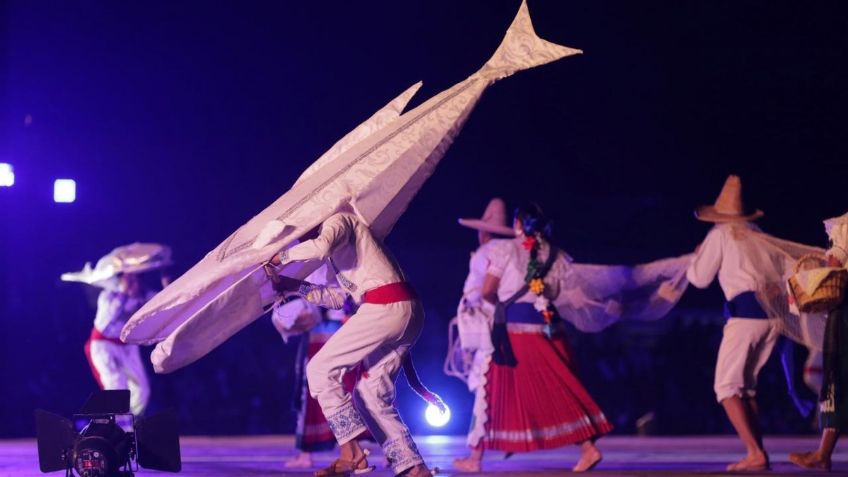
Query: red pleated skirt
[(540, 403), (313, 431)]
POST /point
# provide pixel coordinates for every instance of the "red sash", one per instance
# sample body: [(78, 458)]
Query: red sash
[(97, 335), (391, 293)]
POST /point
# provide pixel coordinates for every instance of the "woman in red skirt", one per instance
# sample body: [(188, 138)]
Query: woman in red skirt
[(533, 397)]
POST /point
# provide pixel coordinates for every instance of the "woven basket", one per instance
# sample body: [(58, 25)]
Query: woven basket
[(827, 296)]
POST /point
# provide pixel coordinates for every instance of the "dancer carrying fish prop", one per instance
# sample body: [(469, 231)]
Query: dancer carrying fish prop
[(377, 339), (371, 175)]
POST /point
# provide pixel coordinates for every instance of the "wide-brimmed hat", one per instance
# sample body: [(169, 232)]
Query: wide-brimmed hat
[(493, 220), (133, 258), (729, 206)]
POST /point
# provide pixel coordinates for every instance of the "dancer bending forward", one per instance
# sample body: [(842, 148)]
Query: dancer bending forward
[(378, 336)]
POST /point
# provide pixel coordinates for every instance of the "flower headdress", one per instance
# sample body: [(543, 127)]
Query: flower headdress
[(536, 284)]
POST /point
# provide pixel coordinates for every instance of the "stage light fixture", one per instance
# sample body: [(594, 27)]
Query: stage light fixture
[(64, 191), (103, 448), (435, 417), (7, 175)]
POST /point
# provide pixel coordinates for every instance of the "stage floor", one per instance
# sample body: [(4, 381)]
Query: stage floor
[(630, 456)]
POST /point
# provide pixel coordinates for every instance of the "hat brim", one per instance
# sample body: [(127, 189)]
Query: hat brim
[(104, 278), (708, 213), (478, 224)]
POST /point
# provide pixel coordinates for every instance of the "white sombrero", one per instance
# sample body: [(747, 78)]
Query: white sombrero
[(493, 221), (729, 206), (133, 258)]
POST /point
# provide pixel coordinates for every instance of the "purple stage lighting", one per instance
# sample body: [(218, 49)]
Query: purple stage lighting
[(7, 175), (64, 191)]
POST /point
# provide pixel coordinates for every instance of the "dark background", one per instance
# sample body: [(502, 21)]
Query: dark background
[(180, 120)]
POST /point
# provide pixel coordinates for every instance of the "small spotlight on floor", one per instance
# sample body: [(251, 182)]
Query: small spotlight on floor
[(7, 175), (435, 417), (64, 191), (103, 448)]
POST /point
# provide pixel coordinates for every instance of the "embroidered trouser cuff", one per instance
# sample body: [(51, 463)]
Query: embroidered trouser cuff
[(402, 453), (346, 423)]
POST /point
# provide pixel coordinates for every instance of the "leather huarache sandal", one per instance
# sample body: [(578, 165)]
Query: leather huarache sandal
[(346, 468)]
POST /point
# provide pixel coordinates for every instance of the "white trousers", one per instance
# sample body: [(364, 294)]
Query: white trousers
[(745, 347), (379, 337), (119, 366)]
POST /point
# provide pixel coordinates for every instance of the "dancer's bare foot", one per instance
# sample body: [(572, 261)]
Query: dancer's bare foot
[(468, 464), (302, 461), (810, 460), (755, 462), (590, 456)]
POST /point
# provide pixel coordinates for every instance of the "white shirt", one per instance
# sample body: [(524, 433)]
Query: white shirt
[(478, 266), (358, 258), (508, 261), (114, 308), (736, 259)]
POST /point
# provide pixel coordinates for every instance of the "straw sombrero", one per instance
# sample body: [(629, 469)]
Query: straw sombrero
[(829, 224), (729, 206), (493, 220)]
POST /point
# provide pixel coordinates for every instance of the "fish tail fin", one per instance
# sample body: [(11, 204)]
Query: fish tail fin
[(522, 49)]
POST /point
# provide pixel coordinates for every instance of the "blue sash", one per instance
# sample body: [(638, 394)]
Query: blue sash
[(524, 313), (502, 353), (744, 305)]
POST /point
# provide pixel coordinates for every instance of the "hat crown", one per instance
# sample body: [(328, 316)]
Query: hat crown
[(829, 224), (495, 212), (729, 200), (494, 220), (729, 206)]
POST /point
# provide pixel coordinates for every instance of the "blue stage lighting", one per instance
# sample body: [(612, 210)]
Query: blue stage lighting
[(64, 191), (7, 175), (435, 417)]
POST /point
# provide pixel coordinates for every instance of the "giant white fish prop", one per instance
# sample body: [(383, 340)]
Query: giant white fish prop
[(375, 171)]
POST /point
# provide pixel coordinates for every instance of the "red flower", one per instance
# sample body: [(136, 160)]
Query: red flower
[(548, 315), (529, 243)]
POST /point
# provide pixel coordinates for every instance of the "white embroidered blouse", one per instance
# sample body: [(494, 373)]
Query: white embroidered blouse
[(508, 261)]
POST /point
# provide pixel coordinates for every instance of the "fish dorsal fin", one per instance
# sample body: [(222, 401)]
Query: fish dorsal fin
[(385, 115)]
